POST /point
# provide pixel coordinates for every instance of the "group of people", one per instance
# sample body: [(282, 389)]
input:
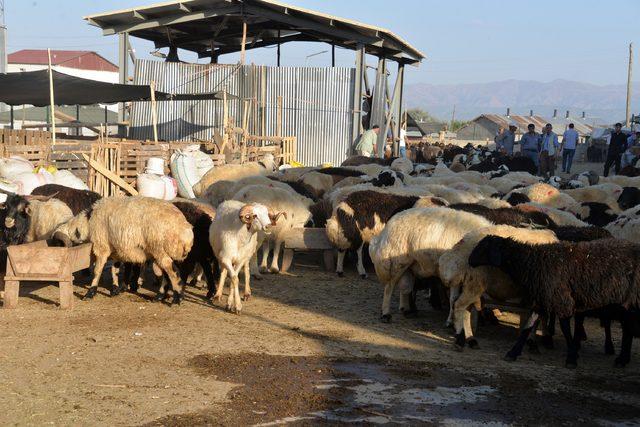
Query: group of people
[(543, 149)]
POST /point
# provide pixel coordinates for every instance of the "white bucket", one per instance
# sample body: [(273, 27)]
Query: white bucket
[(155, 165)]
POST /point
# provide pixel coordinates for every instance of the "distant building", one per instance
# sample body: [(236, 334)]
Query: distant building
[(91, 114), (418, 129), (486, 126), (79, 63)]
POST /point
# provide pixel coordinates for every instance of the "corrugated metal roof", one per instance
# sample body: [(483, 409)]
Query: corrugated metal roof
[(81, 59), (560, 124), (202, 25)]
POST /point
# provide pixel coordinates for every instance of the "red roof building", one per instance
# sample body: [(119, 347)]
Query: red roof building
[(80, 59)]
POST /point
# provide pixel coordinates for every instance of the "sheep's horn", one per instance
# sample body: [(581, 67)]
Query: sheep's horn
[(41, 198), (7, 192), (62, 237), (9, 222), (274, 218)]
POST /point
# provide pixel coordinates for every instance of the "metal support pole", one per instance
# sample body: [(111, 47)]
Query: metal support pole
[(12, 124), (378, 107), (78, 130), (123, 77), (278, 51), (357, 91), (333, 55), (106, 116), (629, 74), (397, 107)]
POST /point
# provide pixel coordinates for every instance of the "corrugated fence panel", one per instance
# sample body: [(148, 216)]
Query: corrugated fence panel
[(316, 104)]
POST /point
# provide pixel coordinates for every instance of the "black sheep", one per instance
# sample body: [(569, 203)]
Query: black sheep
[(568, 278), (301, 188), (596, 213), (516, 199), (507, 216), (77, 200), (629, 198), (570, 233)]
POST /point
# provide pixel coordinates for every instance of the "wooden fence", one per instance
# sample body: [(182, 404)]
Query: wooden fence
[(131, 155)]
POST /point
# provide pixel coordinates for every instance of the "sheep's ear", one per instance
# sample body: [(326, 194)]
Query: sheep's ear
[(28, 210)]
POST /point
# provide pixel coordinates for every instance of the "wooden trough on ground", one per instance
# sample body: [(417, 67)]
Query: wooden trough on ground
[(307, 239), (41, 263)]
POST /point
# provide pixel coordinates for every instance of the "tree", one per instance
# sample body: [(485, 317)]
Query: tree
[(457, 124)]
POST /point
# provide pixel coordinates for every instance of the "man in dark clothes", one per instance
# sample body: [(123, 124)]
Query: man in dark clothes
[(617, 145)]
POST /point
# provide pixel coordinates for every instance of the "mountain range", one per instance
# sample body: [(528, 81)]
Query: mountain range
[(604, 103)]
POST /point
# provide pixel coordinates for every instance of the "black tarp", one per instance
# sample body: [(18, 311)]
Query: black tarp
[(32, 88)]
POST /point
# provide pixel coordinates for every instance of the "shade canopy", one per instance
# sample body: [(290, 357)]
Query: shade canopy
[(32, 88), (214, 27)]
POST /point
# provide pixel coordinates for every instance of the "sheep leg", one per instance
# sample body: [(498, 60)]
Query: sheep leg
[(223, 276), (628, 321), (386, 302), (462, 321), (265, 256), (361, 271), (115, 279), (608, 342), (167, 266), (247, 278), (340, 263), (548, 331), (132, 273), (530, 325), (210, 278), (276, 254), (98, 266), (255, 272), (572, 346), (234, 304), (454, 293)]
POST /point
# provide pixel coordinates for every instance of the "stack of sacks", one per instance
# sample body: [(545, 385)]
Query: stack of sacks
[(20, 172), (188, 166), (154, 183)]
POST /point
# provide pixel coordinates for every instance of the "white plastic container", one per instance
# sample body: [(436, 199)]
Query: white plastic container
[(156, 186)]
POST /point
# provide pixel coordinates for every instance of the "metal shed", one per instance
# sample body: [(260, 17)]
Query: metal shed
[(212, 28)]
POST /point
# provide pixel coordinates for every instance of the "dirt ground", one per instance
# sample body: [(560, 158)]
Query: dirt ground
[(307, 349)]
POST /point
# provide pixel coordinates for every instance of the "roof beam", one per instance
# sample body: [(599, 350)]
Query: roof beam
[(139, 15), (303, 23), (262, 43), (183, 7), (169, 20)]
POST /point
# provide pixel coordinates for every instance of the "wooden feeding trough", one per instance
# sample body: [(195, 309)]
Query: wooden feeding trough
[(39, 262), (307, 239)]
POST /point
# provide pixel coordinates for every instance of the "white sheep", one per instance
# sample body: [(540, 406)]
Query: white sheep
[(233, 237), (456, 274), (414, 240), (402, 165), (224, 190), (558, 216), (296, 213), (232, 172), (627, 228)]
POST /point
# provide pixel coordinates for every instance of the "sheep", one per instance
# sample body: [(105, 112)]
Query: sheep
[(233, 235), (559, 217), (595, 213), (133, 229), (493, 203), (321, 183), (223, 190), (77, 200), (568, 278), (231, 172), (452, 195), (364, 160), (541, 193), (415, 239), (456, 274), (362, 215), (625, 228), (507, 182), (570, 233), (402, 165), (601, 193), (31, 218), (622, 181), (295, 211), (370, 169), (629, 197), (507, 216)]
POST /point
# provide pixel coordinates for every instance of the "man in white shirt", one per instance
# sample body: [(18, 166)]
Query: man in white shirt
[(548, 150), (569, 144)]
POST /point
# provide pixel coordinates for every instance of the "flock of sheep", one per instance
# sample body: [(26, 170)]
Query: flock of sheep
[(562, 248)]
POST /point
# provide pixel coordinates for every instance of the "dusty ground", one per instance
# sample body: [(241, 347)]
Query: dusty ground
[(307, 349)]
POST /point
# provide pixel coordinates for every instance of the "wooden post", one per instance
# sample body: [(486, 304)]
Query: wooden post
[(154, 112), (12, 124), (51, 99), (278, 51), (333, 55), (244, 42)]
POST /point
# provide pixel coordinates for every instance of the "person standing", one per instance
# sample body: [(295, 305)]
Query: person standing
[(505, 141), (402, 140), (617, 145), (530, 144), (569, 144), (368, 143), (549, 148)]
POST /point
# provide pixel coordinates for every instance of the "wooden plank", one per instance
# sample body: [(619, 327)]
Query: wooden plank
[(110, 175), (307, 239)]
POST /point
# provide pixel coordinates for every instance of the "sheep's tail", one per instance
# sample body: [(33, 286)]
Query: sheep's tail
[(185, 242), (335, 234)]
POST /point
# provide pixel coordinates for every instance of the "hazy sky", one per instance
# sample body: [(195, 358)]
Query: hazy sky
[(464, 41)]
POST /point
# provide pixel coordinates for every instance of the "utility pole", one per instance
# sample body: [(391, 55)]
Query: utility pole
[(3, 45), (628, 115), (453, 117)]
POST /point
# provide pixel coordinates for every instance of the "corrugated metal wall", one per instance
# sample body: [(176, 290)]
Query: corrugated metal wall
[(317, 104)]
